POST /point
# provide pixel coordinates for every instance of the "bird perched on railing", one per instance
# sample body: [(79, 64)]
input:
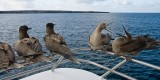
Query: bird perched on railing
[(100, 41), (128, 46), (29, 47), (7, 57), (56, 44)]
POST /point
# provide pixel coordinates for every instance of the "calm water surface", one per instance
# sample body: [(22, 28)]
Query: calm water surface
[(76, 27)]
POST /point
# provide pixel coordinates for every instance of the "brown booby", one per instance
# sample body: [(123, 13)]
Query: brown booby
[(29, 47), (98, 40), (128, 46), (7, 57), (56, 44)]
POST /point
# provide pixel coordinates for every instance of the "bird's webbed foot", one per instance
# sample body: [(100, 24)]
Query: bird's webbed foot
[(134, 53), (128, 58), (107, 48), (118, 55)]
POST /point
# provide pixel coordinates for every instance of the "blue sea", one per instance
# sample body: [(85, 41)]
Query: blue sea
[(77, 27)]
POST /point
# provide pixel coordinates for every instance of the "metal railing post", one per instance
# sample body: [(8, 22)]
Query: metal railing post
[(57, 63), (114, 68), (139, 62), (106, 68), (146, 64)]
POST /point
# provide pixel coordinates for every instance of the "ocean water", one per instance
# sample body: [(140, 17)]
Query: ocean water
[(77, 27)]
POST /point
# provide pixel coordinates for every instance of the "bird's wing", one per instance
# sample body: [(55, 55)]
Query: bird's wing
[(9, 51), (60, 49), (54, 46), (61, 39), (58, 38), (33, 44), (151, 43), (4, 60), (28, 46), (133, 46), (105, 39)]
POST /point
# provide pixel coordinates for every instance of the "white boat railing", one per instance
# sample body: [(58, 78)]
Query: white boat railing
[(121, 63), (98, 65), (108, 70), (27, 72), (139, 62)]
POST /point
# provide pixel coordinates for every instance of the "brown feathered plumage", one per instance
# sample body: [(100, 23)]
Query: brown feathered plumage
[(29, 47), (7, 57), (128, 45), (99, 41), (56, 43)]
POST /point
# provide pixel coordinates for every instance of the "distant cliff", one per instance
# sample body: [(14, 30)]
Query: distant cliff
[(48, 11)]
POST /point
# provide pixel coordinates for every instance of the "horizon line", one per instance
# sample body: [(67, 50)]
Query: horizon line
[(78, 11)]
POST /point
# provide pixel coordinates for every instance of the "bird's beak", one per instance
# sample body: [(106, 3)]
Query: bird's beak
[(29, 28), (106, 29), (120, 35), (108, 25)]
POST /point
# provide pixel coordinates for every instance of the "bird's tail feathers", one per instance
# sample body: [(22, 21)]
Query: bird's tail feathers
[(153, 45), (71, 58), (41, 58)]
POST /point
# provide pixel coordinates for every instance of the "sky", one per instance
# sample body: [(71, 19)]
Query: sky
[(83, 5)]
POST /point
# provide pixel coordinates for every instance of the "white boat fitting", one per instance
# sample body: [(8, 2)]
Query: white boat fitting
[(64, 74), (75, 74)]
